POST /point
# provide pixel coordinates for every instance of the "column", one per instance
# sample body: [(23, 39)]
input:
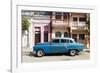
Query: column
[(42, 34), (33, 35), (62, 16), (77, 37), (62, 34)]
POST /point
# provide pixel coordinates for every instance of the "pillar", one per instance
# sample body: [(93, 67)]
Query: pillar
[(42, 34)]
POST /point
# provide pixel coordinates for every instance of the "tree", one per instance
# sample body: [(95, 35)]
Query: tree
[(25, 23), (25, 28)]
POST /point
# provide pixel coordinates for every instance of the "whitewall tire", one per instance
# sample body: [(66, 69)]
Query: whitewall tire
[(40, 53), (72, 52)]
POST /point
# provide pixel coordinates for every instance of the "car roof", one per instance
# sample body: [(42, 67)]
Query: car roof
[(64, 38)]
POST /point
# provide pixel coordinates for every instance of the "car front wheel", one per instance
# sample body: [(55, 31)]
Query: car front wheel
[(40, 53), (72, 52)]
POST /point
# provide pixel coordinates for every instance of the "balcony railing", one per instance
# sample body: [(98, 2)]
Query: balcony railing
[(80, 24), (60, 23)]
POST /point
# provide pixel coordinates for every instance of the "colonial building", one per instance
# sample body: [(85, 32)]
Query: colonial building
[(79, 29), (39, 30), (70, 25), (48, 25), (60, 24), (40, 27)]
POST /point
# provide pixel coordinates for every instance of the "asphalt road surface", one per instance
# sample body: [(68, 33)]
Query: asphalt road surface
[(28, 58)]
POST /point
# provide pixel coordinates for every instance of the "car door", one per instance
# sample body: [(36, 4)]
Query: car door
[(63, 45), (69, 42), (54, 46)]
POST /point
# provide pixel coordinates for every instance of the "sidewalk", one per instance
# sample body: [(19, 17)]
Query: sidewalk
[(86, 50), (26, 50)]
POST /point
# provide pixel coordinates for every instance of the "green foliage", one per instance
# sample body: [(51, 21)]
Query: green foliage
[(25, 23)]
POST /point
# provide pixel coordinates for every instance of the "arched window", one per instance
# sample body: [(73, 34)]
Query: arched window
[(58, 34), (65, 34)]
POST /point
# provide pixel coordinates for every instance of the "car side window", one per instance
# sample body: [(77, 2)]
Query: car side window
[(67, 41), (55, 41), (63, 41)]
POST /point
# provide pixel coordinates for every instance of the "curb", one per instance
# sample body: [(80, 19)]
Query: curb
[(86, 50)]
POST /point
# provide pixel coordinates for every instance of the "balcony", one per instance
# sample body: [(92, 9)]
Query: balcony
[(79, 25), (60, 23)]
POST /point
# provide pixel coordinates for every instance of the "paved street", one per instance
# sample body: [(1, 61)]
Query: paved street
[(27, 57)]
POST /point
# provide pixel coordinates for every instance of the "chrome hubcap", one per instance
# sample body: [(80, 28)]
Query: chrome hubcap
[(72, 52), (40, 53)]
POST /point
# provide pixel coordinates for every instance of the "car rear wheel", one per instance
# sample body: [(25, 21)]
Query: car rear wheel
[(40, 53), (72, 52)]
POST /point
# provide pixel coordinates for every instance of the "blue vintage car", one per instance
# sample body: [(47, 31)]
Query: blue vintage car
[(58, 45)]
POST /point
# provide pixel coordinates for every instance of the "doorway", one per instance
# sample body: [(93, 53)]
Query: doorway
[(37, 35)]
